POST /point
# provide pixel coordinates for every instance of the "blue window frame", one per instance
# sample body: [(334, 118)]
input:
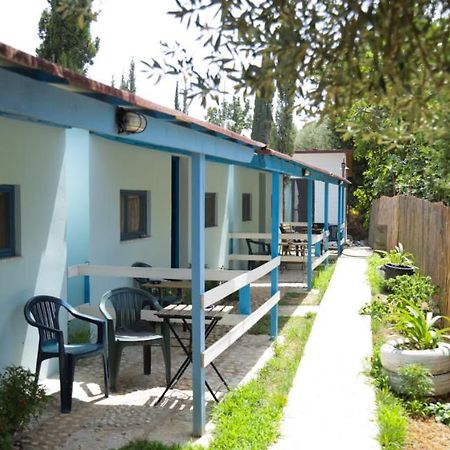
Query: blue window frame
[(133, 215), (7, 221)]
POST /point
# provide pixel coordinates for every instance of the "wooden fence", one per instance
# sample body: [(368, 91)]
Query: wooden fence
[(423, 228)]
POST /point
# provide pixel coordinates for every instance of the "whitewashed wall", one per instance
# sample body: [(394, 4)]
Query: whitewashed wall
[(115, 166), (32, 157), (332, 163)]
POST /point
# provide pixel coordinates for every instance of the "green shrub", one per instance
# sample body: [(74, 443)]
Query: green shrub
[(21, 399), (419, 328), (322, 279), (441, 411), (416, 289), (391, 418), (374, 274), (399, 256), (415, 382)]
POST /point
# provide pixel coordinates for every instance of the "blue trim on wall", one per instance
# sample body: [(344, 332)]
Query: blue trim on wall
[(198, 288), (274, 250), (175, 242)]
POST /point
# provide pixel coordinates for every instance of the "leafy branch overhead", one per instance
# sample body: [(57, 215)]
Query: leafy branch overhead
[(388, 53)]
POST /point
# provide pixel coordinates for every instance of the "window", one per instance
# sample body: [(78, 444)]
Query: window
[(210, 209), (7, 221), (246, 207), (133, 215)]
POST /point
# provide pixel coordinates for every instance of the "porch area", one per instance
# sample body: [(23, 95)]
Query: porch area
[(131, 412)]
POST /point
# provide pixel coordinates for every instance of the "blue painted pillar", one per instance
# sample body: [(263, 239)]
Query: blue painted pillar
[(245, 300), (198, 288), (309, 271), (344, 190), (325, 217), (175, 213), (274, 250), (339, 219)]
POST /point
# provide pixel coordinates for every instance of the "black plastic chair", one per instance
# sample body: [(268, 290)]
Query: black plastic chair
[(129, 329), (42, 312), (164, 300), (256, 248)]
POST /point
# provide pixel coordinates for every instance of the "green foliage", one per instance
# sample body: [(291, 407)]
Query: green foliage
[(374, 274), (387, 53), (392, 422), (322, 279), (441, 411), (21, 399), (232, 114), (415, 382), (416, 289), (262, 120), (399, 256), (249, 417), (283, 132), (419, 328), (379, 378), (320, 135), (65, 34), (398, 159)]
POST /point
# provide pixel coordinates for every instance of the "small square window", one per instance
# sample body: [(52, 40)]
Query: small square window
[(133, 215), (7, 221), (210, 209), (246, 207)]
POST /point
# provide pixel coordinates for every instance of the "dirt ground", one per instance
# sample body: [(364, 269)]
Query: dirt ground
[(427, 435)]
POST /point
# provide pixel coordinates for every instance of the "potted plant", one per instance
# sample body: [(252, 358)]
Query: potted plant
[(421, 342), (398, 262)]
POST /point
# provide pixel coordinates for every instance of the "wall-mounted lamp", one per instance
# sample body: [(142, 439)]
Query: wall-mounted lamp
[(130, 122), (306, 173)]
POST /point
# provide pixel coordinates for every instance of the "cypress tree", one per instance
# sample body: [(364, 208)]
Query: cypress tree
[(66, 37)]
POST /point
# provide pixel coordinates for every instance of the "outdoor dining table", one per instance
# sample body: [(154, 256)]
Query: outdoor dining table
[(183, 312)]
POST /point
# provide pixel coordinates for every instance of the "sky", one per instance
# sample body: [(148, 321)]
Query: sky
[(126, 28)]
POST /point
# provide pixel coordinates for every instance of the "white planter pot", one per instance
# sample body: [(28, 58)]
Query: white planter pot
[(437, 361)]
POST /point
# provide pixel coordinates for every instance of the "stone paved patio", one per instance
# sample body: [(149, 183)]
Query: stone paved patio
[(130, 413)]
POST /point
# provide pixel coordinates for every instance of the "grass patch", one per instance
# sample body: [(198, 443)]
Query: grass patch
[(249, 417), (292, 298), (79, 332), (391, 415), (322, 279), (375, 276), (391, 418), (263, 325)]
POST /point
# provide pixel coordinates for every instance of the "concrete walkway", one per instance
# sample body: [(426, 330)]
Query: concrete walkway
[(331, 404)]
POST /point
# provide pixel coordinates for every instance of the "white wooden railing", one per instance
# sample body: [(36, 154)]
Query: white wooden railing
[(220, 292), (234, 280), (295, 239)]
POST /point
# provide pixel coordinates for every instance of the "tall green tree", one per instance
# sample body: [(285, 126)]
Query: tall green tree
[(177, 100), (66, 36), (262, 120), (284, 131), (129, 83), (234, 115), (319, 135)]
